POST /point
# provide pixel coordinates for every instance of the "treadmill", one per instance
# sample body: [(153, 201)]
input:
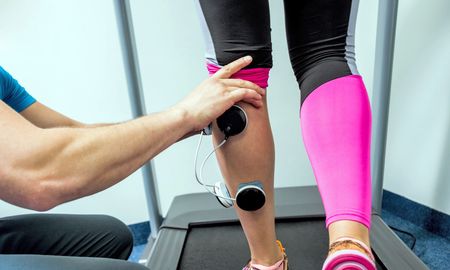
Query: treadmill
[(198, 233)]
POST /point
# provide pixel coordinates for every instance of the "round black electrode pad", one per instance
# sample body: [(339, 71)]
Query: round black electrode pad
[(233, 121), (250, 199)]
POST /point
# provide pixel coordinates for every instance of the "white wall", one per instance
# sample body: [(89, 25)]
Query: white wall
[(66, 53), (418, 146)]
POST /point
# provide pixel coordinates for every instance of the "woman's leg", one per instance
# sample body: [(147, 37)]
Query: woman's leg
[(235, 28), (335, 111)]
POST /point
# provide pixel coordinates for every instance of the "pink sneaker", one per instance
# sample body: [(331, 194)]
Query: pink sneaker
[(349, 254), (280, 265)]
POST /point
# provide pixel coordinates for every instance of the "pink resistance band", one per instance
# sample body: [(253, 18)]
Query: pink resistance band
[(259, 76), (336, 126)]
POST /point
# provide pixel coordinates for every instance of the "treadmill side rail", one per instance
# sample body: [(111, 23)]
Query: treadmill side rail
[(390, 249), (167, 249)]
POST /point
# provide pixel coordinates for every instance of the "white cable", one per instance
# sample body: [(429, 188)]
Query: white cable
[(196, 157), (199, 177), (207, 157)]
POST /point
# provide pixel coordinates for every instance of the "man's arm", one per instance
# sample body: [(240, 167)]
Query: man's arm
[(41, 168), (44, 117)]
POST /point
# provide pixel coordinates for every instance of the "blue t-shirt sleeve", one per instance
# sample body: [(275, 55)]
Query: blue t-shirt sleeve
[(12, 93)]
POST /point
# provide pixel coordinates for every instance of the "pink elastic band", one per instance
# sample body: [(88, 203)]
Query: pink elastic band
[(259, 76), (276, 266)]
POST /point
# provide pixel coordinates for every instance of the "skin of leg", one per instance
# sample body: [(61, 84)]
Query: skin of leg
[(348, 228), (247, 157)]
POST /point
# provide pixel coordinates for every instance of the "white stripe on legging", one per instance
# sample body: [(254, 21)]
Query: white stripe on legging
[(350, 41), (210, 51)]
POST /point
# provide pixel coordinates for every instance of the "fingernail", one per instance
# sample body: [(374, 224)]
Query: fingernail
[(248, 58)]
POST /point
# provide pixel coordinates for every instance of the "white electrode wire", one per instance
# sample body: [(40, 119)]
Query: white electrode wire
[(207, 157), (199, 177)]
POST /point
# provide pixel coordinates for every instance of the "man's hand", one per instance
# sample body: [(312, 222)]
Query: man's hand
[(218, 93)]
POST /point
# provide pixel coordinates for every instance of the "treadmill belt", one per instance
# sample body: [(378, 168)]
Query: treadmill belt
[(225, 247)]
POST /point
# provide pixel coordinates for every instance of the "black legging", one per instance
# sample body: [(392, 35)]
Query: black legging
[(53, 241), (320, 35)]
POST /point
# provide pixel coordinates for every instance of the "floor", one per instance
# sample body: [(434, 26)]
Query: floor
[(432, 249), (430, 241)]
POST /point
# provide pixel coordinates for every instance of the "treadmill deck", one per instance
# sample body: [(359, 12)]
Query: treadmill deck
[(225, 247)]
